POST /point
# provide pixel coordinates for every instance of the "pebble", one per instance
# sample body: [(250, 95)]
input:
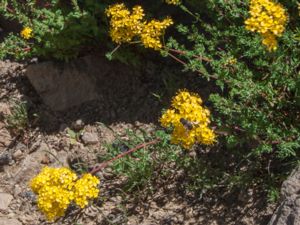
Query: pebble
[(17, 190), (18, 155), (5, 158), (89, 138)]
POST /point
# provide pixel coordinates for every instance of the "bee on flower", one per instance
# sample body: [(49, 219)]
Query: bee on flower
[(189, 120)]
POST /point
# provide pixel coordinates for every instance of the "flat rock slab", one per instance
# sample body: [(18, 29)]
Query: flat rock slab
[(7, 221), (63, 85), (288, 213), (5, 200)]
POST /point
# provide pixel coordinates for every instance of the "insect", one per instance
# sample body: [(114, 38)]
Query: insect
[(187, 124)]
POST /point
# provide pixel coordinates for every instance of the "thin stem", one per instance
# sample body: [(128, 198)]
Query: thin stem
[(177, 59), (184, 63), (195, 56), (106, 163), (115, 49), (185, 9)]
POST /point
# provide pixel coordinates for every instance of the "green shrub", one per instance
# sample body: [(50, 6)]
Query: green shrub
[(146, 166), (256, 109), (59, 30), (257, 106)]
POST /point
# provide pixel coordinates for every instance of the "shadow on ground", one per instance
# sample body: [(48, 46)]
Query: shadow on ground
[(124, 94)]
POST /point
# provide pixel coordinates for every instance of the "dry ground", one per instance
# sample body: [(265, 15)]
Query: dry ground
[(46, 141)]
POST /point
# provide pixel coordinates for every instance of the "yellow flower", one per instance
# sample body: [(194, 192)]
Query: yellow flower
[(189, 120), (26, 33), (58, 187), (85, 188), (173, 2), (126, 25), (232, 61), (152, 31), (267, 18)]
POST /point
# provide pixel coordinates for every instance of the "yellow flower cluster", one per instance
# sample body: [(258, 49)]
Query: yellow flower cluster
[(232, 61), (85, 188), (189, 120), (152, 31), (268, 18), (26, 33), (58, 187), (173, 2), (126, 25)]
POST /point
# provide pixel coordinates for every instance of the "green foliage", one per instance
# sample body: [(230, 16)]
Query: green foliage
[(18, 120), (60, 30), (143, 167), (257, 103), (273, 195), (256, 107)]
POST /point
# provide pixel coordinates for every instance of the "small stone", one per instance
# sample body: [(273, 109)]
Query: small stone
[(45, 159), (17, 190), (18, 155), (5, 200), (288, 210), (77, 125), (29, 168), (5, 137), (5, 158), (89, 138), (117, 199)]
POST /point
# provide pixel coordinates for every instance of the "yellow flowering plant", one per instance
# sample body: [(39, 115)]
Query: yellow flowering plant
[(267, 18), (173, 2), (57, 188), (126, 25), (26, 33), (189, 120)]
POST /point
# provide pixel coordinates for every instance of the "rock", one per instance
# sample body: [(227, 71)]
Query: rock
[(107, 135), (5, 158), (4, 108), (28, 169), (5, 200), (17, 190), (5, 137), (46, 159), (89, 138), (18, 155), (63, 85), (44, 155), (291, 185), (288, 213), (63, 159), (8, 221)]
